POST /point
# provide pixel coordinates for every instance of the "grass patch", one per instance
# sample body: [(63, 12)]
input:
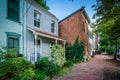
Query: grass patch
[(65, 70)]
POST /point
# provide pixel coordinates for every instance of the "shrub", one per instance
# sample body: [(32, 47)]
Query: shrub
[(103, 48), (68, 63), (30, 74), (75, 52), (48, 67), (110, 50), (6, 53), (98, 51), (10, 55), (58, 55), (43, 63), (11, 67), (39, 75), (27, 74)]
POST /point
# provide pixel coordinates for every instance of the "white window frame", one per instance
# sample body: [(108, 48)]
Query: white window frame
[(53, 30), (37, 18)]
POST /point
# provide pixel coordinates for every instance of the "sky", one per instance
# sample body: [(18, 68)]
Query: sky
[(62, 8)]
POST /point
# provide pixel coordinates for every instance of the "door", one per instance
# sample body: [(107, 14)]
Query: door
[(38, 49)]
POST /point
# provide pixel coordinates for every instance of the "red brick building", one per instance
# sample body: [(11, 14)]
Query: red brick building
[(75, 25)]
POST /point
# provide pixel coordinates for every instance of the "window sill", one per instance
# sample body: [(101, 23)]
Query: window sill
[(13, 20)]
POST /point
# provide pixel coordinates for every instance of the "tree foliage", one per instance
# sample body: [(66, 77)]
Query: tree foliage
[(43, 4), (108, 20)]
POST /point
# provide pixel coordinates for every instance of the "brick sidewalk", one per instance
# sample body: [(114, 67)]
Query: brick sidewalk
[(92, 70)]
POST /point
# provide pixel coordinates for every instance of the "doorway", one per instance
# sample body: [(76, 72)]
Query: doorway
[(38, 48)]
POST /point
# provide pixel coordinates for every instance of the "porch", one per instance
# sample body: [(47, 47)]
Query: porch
[(39, 48)]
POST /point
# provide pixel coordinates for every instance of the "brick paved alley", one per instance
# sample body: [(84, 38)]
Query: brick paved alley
[(92, 70)]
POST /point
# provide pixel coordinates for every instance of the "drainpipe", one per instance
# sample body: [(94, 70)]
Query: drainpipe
[(23, 28), (35, 47)]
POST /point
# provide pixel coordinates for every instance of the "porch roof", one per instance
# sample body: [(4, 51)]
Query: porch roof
[(37, 31)]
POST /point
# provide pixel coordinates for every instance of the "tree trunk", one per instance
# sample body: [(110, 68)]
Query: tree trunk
[(115, 55)]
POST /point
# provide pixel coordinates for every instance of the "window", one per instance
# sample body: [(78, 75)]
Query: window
[(83, 27), (36, 19), (13, 42), (53, 27), (13, 10), (90, 34)]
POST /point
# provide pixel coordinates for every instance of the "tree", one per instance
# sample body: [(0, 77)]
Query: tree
[(43, 4), (108, 20)]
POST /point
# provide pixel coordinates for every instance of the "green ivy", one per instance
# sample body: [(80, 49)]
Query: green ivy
[(75, 52)]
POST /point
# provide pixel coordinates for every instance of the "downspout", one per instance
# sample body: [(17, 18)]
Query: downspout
[(23, 28)]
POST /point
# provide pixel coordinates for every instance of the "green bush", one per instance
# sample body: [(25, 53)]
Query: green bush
[(103, 48), (48, 67), (58, 55), (6, 53), (110, 50), (68, 63), (27, 74), (11, 67), (75, 52), (30, 74), (42, 63), (39, 75)]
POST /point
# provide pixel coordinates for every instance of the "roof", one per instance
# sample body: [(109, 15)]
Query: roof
[(81, 9), (35, 29)]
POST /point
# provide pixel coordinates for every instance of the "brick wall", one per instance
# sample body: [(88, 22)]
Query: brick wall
[(71, 28)]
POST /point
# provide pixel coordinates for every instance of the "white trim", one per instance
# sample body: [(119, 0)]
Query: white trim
[(35, 47), (39, 38), (31, 30), (44, 35), (84, 18), (49, 36), (41, 47)]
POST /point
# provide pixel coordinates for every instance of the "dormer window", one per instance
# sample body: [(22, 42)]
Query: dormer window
[(53, 27), (37, 19)]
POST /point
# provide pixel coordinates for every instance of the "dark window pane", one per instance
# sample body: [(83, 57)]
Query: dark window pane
[(13, 42), (16, 43), (10, 42), (52, 27), (13, 9), (36, 19)]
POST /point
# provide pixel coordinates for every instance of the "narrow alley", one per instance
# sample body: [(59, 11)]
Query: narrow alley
[(92, 70)]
